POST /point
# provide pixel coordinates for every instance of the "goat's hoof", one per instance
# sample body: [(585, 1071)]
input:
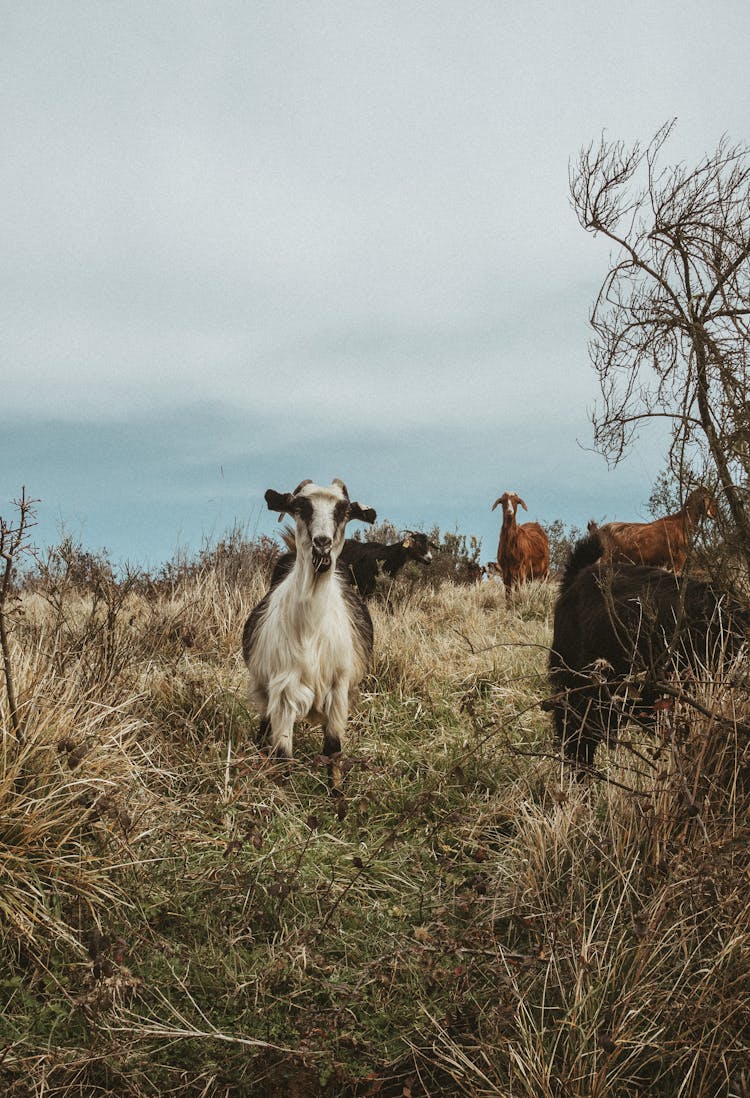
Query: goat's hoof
[(333, 763)]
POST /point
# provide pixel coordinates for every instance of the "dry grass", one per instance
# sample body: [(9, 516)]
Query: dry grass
[(177, 917)]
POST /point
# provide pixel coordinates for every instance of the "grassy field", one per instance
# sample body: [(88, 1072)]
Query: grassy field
[(178, 917)]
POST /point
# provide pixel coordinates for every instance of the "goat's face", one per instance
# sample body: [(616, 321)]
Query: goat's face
[(320, 516), (700, 504), (418, 546), (509, 502)]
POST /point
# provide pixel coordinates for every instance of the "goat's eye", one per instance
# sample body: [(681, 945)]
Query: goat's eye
[(303, 508)]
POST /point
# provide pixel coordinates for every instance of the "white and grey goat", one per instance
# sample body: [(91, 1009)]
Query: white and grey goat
[(308, 642)]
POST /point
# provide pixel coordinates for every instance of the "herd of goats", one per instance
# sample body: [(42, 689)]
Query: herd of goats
[(624, 613)]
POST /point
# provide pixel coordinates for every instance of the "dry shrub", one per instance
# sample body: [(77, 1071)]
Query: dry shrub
[(71, 800), (234, 560)]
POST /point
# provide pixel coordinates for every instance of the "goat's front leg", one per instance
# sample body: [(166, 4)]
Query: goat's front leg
[(288, 701), (279, 727), (336, 714)]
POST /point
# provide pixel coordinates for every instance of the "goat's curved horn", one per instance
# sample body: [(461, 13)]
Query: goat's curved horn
[(342, 486), (301, 485)]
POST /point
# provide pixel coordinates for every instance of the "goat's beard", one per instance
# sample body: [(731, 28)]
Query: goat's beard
[(321, 562)]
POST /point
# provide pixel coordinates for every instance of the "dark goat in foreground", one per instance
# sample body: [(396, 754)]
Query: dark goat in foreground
[(621, 633), (665, 541)]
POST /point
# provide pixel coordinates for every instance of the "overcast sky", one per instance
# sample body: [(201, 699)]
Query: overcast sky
[(248, 243)]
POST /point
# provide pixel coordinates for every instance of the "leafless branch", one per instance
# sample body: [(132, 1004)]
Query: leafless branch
[(671, 336), (12, 544)]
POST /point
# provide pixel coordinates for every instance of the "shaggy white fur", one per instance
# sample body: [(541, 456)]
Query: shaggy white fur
[(308, 642)]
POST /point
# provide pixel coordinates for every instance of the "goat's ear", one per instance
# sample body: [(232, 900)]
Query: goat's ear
[(519, 500), (498, 500), (279, 501), (357, 511), (407, 542)]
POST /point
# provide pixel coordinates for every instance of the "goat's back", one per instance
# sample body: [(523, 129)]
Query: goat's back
[(627, 612), (629, 622), (662, 543), (353, 550)]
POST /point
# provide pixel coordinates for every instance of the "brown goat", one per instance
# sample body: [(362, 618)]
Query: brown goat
[(523, 551), (663, 542)]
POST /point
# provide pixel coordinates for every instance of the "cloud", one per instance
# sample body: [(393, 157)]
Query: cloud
[(337, 229)]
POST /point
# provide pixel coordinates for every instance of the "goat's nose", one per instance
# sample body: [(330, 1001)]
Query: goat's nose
[(322, 542)]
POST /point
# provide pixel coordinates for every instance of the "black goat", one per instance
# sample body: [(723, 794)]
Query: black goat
[(360, 559), (620, 633), (474, 571)]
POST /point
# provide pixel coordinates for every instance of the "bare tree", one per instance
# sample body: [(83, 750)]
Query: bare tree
[(12, 545), (672, 317)]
